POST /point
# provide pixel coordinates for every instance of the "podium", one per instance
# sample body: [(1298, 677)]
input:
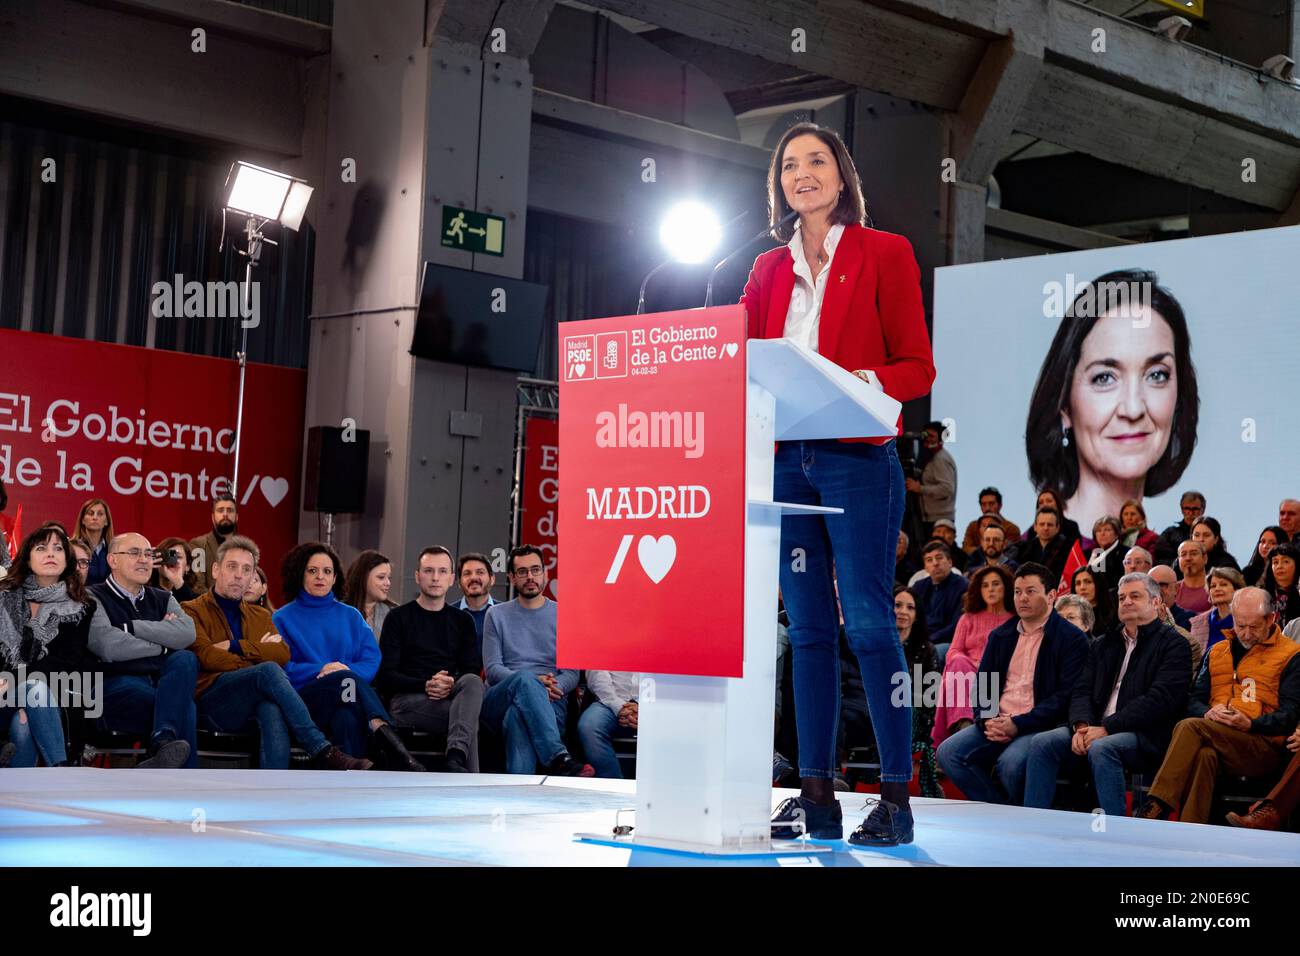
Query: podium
[(705, 741)]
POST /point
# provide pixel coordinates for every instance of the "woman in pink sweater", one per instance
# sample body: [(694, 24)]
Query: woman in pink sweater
[(987, 604)]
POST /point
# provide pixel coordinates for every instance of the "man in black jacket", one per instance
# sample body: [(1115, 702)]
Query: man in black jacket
[(1192, 504), (1030, 666), (1046, 545), (1133, 690), (142, 634)]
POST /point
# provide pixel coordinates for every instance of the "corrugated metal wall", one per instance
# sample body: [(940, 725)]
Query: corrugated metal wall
[(79, 256)]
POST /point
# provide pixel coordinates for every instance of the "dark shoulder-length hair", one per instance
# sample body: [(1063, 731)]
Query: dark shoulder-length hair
[(1253, 572), (1052, 465), (294, 567), (920, 629), (1269, 584), (850, 210), (354, 589), (190, 579), (973, 602), (22, 567)]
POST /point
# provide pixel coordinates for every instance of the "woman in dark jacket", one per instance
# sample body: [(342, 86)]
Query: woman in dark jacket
[(173, 573), (1208, 532), (1280, 581), (1268, 539), (44, 627)]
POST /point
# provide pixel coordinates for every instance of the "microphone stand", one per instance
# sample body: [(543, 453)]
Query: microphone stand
[(708, 294)]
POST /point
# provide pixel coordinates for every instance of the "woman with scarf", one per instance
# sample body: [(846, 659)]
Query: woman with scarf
[(45, 617)]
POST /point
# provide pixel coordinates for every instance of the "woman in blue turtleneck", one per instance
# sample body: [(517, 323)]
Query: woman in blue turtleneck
[(334, 656)]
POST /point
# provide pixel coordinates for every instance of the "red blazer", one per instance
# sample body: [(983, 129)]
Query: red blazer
[(871, 315)]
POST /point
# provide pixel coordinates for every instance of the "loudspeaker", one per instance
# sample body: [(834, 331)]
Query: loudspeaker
[(336, 471)]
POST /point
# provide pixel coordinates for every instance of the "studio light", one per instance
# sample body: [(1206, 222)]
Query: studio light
[(690, 232)]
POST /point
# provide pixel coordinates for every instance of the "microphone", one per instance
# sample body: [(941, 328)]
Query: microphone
[(640, 302), (708, 294)]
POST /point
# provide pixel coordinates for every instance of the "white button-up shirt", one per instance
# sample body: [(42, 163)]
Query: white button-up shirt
[(1113, 703), (803, 319)]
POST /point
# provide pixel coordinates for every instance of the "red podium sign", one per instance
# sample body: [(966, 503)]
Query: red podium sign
[(652, 498)]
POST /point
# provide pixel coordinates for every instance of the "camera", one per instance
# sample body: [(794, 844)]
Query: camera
[(171, 558)]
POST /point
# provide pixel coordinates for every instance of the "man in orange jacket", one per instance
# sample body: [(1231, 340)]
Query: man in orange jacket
[(1248, 700)]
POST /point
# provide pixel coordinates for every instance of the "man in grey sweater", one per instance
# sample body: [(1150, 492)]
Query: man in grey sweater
[(142, 635), (527, 697), (937, 486)]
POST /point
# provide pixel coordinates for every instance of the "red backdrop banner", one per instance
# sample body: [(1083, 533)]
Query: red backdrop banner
[(153, 434), (541, 492), (652, 504)]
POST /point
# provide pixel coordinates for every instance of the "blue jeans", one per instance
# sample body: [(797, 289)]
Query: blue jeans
[(597, 728), (858, 547), (1107, 759), (43, 729), (262, 693), (520, 709), (134, 704), (343, 704), (969, 759)]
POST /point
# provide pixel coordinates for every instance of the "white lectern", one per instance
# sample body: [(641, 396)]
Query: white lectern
[(704, 744)]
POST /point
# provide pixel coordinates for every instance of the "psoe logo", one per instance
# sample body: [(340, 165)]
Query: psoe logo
[(579, 358), (611, 355), (77, 909)]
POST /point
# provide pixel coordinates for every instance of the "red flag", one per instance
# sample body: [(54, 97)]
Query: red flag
[(13, 531), (1073, 563)]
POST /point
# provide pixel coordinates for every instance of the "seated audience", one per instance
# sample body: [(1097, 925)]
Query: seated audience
[(366, 588), (259, 591), (1123, 708), (1092, 587), (1269, 539), (987, 605), (1164, 576), (95, 527), (1191, 594), (430, 665), (242, 683), (1032, 662), (203, 549), (1192, 504), (1245, 703), (81, 552), (1134, 531), (613, 714), (172, 572), (527, 697), (990, 505), (1046, 545), (940, 593), (1273, 811), (476, 578), (1077, 611), (993, 550), (334, 656), (1208, 532), (904, 566), (1107, 556), (1212, 626), (1280, 581), (946, 531), (1288, 517), (1137, 561), (45, 616), (142, 637)]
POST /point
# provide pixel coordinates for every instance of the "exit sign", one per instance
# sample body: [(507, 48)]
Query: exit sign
[(473, 231)]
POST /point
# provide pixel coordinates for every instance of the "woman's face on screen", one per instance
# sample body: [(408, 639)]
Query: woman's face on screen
[(1123, 395), (810, 176)]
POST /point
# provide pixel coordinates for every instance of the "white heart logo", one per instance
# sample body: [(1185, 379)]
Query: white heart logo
[(731, 349), (580, 369), (274, 489), (656, 556), (555, 588)]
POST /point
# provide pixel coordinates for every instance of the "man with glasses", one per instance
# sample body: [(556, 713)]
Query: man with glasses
[(431, 663), (142, 635), (527, 697), (1166, 550)]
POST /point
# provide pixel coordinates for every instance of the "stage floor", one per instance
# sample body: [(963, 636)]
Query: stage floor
[(92, 817)]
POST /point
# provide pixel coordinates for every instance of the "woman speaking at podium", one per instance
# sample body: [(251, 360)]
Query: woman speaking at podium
[(852, 294)]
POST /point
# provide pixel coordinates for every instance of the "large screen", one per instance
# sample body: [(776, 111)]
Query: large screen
[(1135, 371), (476, 318)]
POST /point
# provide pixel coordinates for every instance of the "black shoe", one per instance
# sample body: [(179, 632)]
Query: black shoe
[(888, 824), (795, 816), (7, 754), (399, 757), (455, 762), (331, 758), (171, 753), (565, 766), (782, 769)]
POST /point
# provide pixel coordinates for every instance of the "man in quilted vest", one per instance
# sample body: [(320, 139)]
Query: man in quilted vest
[(1247, 701)]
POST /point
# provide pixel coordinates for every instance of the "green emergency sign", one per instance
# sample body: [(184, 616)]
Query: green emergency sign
[(473, 231)]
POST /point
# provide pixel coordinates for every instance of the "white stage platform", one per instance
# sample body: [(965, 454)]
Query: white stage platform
[(91, 817)]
